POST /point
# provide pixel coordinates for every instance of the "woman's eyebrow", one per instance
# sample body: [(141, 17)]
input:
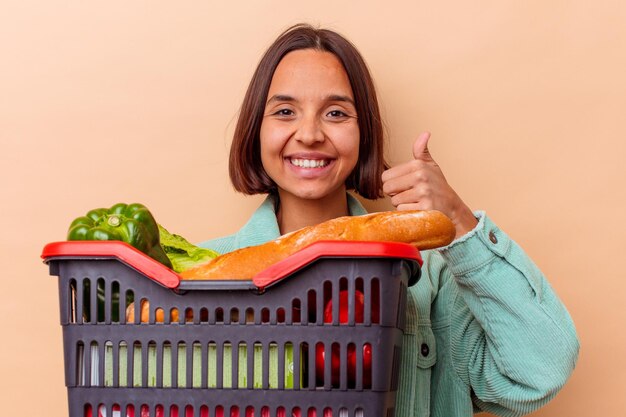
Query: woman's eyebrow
[(287, 98), (337, 97), (279, 97)]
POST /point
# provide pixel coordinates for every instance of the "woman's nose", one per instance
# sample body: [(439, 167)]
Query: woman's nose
[(309, 131)]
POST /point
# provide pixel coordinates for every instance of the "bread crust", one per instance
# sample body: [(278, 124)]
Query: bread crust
[(424, 229)]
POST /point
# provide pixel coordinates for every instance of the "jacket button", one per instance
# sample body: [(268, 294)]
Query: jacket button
[(492, 237), (424, 349)]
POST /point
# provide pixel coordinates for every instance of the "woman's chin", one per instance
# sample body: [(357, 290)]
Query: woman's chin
[(312, 194)]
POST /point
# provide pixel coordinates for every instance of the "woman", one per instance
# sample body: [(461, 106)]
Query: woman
[(484, 329)]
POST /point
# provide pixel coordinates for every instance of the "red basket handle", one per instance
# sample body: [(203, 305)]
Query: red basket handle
[(131, 256), (334, 248)]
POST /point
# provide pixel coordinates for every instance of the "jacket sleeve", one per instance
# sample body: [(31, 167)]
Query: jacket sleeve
[(512, 341)]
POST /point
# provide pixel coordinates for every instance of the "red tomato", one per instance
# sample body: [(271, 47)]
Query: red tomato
[(367, 349), (343, 308)]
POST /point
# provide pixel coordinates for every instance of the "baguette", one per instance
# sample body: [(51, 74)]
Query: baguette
[(424, 229)]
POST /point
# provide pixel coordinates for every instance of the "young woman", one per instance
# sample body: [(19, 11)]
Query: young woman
[(484, 329)]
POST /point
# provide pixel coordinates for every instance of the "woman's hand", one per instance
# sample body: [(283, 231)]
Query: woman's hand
[(420, 185)]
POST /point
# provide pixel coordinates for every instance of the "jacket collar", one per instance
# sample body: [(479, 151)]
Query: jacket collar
[(263, 226)]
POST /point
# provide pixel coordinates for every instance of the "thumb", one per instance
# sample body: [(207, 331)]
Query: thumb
[(420, 147)]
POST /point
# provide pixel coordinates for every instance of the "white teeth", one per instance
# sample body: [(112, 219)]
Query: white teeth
[(309, 163)]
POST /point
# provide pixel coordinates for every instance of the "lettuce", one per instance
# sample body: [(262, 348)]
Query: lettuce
[(181, 253)]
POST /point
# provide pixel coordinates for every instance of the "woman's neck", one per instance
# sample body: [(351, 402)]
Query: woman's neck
[(296, 213)]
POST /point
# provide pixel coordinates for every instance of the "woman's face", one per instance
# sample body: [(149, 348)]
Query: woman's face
[(309, 135)]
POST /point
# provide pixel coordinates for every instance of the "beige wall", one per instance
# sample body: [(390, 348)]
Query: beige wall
[(102, 102)]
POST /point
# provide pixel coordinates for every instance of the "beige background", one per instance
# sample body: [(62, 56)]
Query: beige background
[(105, 102)]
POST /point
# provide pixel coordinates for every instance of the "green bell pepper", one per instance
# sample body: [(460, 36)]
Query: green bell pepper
[(130, 223)]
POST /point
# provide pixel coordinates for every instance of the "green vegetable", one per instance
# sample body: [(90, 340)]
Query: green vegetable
[(181, 253), (130, 223), (135, 225)]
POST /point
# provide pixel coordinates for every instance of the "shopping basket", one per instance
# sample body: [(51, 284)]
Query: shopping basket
[(319, 334)]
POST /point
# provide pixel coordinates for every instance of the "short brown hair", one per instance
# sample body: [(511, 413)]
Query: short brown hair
[(245, 167)]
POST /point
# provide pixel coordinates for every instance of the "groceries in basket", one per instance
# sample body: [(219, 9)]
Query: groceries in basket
[(134, 224)]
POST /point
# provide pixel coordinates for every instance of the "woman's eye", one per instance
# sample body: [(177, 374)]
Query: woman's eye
[(337, 113), (284, 112)]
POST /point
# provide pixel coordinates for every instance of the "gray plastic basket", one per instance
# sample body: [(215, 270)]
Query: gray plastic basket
[(233, 348)]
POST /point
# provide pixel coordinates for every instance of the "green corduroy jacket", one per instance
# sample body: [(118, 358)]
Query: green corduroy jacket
[(484, 330)]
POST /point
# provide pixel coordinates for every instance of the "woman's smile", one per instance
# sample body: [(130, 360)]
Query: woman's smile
[(309, 163)]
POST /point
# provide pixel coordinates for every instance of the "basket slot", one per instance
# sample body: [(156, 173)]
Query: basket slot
[(158, 315), (99, 348), (79, 355), (181, 364), (212, 360), (352, 303), (227, 363), (328, 299), (248, 317), (296, 311), (79, 310), (86, 374), (323, 369), (118, 311), (366, 366), (311, 367), (68, 301)]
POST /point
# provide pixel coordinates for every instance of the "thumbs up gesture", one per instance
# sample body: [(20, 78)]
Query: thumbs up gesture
[(419, 184)]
